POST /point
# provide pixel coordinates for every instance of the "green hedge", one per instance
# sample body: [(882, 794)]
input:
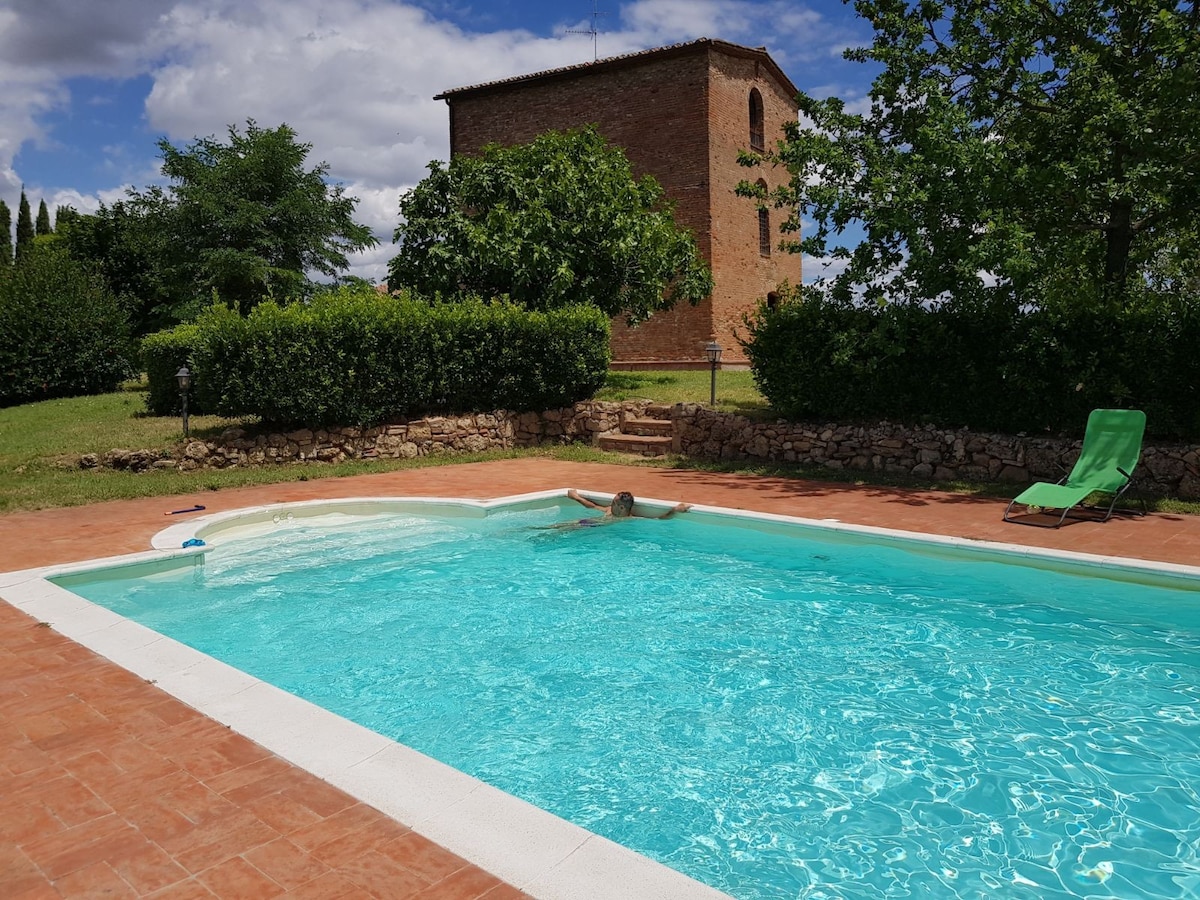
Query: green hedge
[(62, 333), (986, 366), (162, 354), (359, 357)]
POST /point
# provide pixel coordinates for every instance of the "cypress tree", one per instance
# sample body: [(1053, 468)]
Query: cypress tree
[(43, 220), (25, 232), (64, 218), (6, 244)]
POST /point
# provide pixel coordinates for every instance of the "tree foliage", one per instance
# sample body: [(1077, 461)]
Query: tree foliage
[(25, 233), (558, 221), (1045, 149), (42, 225), (62, 333), (64, 218), (134, 254), (6, 241), (243, 218)]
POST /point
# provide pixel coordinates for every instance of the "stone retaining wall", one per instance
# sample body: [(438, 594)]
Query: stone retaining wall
[(923, 452)]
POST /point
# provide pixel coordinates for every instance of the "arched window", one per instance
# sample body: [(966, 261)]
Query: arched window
[(772, 299), (764, 224), (757, 139)]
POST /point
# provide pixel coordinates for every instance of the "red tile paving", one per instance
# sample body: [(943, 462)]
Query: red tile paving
[(112, 788)]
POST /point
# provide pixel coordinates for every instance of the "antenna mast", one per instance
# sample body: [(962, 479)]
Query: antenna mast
[(594, 31)]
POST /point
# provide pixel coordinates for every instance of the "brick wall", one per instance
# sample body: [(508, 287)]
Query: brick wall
[(681, 116), (745, 276)]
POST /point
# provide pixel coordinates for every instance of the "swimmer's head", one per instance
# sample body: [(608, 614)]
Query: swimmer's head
[(622, 504)]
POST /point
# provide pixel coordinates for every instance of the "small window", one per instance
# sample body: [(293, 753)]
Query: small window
[(764, 224), (757, 132), (772, 299)]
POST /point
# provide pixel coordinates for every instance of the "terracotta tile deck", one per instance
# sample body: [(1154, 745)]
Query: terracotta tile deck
[(112, 788)]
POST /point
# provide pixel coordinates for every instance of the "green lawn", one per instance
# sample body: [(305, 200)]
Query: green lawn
[(40, 444), (735, 389)]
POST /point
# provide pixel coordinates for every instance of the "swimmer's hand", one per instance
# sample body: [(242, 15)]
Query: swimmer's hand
[(677, 508), (573, 494)]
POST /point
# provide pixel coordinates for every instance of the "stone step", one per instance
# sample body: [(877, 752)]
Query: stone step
[(648, 426), (658, 411), (641, 444)]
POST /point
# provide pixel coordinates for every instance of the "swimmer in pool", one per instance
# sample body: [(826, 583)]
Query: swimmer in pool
[(620, 508)]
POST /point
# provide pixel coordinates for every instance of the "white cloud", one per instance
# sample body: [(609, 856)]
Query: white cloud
[(373, 264), (661, 21), (820, 268)]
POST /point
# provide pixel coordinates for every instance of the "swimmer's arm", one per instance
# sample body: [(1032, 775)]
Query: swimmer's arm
[(677, 508), (579, 498)]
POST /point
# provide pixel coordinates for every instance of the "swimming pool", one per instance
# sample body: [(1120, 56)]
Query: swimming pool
[(773, 713)]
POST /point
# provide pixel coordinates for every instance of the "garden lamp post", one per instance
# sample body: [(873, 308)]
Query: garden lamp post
[(184, 377), (713, 351)]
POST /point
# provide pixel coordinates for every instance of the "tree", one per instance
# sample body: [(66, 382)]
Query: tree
[(560, 220), (6, 241), (25, 234), (62, 333), (1043, 150), (126, 243), (64, 218), (43, 220), (246, 219)]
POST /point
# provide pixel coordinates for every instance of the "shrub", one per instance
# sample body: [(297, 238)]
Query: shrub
[(359, 357), (162, 354), (983, 365), (62, 333)]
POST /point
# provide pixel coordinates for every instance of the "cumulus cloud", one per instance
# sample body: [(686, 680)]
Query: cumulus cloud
[(733, 20), (355, 78)]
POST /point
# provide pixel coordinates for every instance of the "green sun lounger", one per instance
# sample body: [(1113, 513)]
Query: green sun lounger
[(1112, 446)]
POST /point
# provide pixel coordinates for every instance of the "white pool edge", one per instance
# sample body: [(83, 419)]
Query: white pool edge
[(532, 849)]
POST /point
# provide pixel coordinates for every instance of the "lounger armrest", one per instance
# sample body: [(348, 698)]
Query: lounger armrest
[(1128, 477)]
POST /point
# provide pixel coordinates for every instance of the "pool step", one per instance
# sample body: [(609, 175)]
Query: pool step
[(640, 444)]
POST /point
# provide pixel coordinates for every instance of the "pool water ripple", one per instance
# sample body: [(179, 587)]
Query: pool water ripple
[(773, 715)]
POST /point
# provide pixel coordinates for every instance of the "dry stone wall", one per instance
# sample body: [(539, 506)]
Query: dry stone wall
[(940, 454)]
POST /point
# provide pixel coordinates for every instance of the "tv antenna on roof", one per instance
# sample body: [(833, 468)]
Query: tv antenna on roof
[(594, 31)]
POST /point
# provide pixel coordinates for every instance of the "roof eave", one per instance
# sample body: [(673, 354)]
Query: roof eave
[(616, 62)]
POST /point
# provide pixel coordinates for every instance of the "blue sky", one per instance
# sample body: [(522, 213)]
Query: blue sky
[(87, 88)]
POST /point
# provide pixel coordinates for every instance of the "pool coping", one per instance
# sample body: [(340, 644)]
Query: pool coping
[(530, 848)]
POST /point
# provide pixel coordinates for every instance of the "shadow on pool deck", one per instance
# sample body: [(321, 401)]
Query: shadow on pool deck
[(114, 788)]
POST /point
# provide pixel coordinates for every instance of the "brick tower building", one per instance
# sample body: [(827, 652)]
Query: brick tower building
[(681, 113)]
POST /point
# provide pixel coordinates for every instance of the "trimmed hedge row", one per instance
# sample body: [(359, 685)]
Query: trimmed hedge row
[(162, 355), (986, 366), (354, 357)]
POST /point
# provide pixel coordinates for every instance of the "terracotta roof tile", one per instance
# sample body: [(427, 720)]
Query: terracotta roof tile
[(625, 59)]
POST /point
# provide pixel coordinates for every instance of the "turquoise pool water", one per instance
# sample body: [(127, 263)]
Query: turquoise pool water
[(777, 716)]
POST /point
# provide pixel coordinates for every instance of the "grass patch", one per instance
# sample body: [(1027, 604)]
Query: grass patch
[(73, 426), (40, 445), (736, 391)]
